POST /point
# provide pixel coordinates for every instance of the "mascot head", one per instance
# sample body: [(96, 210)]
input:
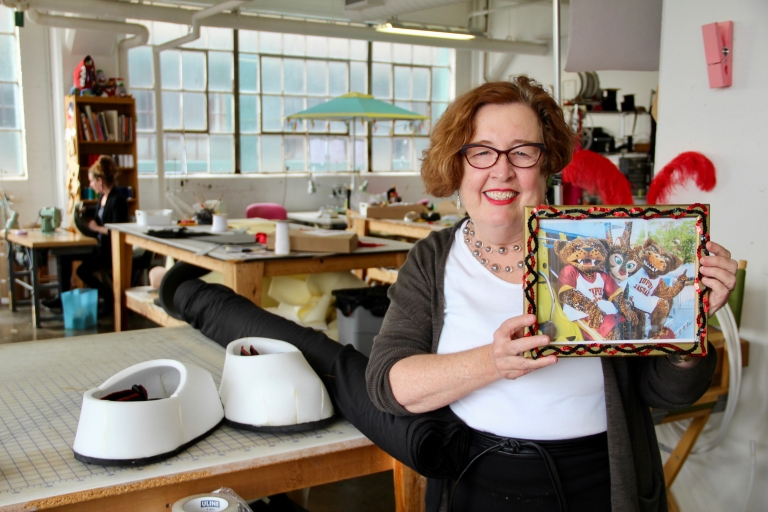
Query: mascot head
[(657, 260), (622, 260), (586, 254)]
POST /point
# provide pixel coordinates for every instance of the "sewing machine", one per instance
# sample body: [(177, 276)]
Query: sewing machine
[(50, 219)]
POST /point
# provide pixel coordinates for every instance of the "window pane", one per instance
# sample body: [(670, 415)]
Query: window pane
[(196, 150), (294, 44), (441, 56), (271, 114), (145, 152), (170, 69), (338, 48), (316, 125), (401, 155), (7, 58), (248, 41), (358, 77), (249, 153), (6, 19), (419, 145), (382, 81), (194, 111), (270, 76), (193, 71), (422, 55), (401, 53), (318, 154), (201, 43), (249, 114), (420, 84), (403, 127), (294, 153), (421, 127), (272, 153), (337, 154), (292, 105), (440, 85), (222, 153), (382, 52), (382, 154), (174, 160), (317, 72), (358, 50), (171, 110), (437, 111), (164, 32), (220, 38), (338, 77), (293, 76), (10, 154), (402, 83), (249, 73), (140, 66), (220, 71), (220, 114), (271, 42), (8, 115), (145, 109), (318, 47)]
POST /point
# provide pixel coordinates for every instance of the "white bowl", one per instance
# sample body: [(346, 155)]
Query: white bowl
[(153, 217), (276, 391), (183, 408)]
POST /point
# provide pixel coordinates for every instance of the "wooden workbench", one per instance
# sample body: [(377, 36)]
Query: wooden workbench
[(41, 389)]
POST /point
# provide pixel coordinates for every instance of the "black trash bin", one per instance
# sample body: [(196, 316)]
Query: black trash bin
[(360, 315)]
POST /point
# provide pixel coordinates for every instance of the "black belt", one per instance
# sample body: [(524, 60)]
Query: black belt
[(490, 443)]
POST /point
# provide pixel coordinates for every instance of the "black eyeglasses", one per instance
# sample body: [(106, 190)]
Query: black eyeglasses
[(483, 157)]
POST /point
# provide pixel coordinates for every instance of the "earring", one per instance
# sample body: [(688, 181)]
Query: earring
[(458, 201)]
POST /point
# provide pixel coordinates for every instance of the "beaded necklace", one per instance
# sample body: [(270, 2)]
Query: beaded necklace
[(483, 252)]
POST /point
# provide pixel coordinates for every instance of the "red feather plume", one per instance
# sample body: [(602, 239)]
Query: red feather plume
[(598, 175), (685, 166)]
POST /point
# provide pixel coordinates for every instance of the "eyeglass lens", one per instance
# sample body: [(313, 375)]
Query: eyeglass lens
[(483, 157)]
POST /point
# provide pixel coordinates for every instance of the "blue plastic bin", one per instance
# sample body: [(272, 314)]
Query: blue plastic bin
[(81, 307)]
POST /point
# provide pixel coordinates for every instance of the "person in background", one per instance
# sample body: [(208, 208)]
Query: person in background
[(548, 434), (111, 207)]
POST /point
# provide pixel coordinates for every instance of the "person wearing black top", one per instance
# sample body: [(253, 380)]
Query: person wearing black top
[(111, 207)]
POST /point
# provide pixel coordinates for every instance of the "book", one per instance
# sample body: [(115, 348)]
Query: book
[(110, 123), (84, 128), (89, 116)]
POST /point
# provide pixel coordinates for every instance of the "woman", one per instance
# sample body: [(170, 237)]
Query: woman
[(548, 433)]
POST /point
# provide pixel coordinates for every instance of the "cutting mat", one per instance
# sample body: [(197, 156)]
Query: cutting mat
[(41, 387)]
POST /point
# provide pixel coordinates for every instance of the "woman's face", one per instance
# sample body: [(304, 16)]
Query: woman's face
[(496, 197), (97, 184)]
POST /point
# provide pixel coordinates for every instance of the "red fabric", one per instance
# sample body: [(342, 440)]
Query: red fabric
[(598, 175), (685, 166)]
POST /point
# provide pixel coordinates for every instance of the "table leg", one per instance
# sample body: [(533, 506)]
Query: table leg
[(11, 275), (246, 278), (122, 255), (35, 286), (409, 488), (678, 456)]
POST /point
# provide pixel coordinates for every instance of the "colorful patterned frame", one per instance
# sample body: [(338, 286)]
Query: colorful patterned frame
[(698, 348)]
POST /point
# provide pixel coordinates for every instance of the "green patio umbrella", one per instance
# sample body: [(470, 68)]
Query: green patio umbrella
[(355, 106)]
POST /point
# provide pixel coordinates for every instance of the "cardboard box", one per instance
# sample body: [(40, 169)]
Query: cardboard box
[(319, 240), (391, 211)]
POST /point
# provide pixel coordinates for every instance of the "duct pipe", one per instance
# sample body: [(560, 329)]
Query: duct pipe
[(193, 35), (244, 21), (393, 8), (140, 32), (556, 47)]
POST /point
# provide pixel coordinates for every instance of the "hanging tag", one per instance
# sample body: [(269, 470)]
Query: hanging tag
[(19, 18)]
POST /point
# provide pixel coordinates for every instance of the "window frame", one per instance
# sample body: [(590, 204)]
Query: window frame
[(17, 106)]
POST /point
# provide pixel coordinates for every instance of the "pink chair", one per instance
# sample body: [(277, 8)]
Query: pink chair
[(272, 211)]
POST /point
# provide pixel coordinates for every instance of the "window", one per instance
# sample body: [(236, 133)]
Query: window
[(11, 140), (279, 75)]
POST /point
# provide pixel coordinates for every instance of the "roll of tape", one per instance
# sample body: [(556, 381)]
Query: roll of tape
[(282, 238), (206, 503)]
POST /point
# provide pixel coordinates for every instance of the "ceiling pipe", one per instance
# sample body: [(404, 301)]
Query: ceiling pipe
[(393, 8), (194, 34), (139, 32), (245, 21)]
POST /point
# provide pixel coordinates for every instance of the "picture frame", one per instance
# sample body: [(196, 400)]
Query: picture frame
[(616, 280)]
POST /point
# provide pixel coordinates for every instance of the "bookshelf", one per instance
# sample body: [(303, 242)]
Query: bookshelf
[(116, 117)]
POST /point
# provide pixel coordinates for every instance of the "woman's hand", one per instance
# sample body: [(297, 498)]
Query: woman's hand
[(719, 272), (509, 345)]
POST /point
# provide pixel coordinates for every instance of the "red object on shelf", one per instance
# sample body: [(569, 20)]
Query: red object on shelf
[(685, 166), (598, 176)]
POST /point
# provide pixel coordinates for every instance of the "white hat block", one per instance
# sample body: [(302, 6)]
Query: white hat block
[(275, 391), (183, 407)]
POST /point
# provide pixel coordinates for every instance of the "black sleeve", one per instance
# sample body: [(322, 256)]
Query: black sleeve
[(118, 212)]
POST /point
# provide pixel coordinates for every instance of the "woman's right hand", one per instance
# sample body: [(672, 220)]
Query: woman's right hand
[(509, 345)]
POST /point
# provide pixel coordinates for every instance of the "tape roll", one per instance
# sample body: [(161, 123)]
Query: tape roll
[(282, 238), (206, 503)]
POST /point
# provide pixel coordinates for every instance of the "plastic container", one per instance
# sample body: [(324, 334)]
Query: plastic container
[(360, 315), (153, 217), (81, 307)]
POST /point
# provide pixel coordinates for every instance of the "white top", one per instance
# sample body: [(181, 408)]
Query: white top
[(641, 289), (562, 401)]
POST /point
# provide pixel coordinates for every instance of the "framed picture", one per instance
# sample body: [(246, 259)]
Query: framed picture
[(617, 280)]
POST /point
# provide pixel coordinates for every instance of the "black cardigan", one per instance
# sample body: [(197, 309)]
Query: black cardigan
[(115, 210)]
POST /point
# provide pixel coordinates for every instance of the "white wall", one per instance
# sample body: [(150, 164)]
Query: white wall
[(728, 126)]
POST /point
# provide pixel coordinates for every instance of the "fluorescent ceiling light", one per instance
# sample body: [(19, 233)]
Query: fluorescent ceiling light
[(395, 27)]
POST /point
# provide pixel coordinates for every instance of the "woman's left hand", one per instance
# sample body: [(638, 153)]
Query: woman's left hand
[(719, 275)]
